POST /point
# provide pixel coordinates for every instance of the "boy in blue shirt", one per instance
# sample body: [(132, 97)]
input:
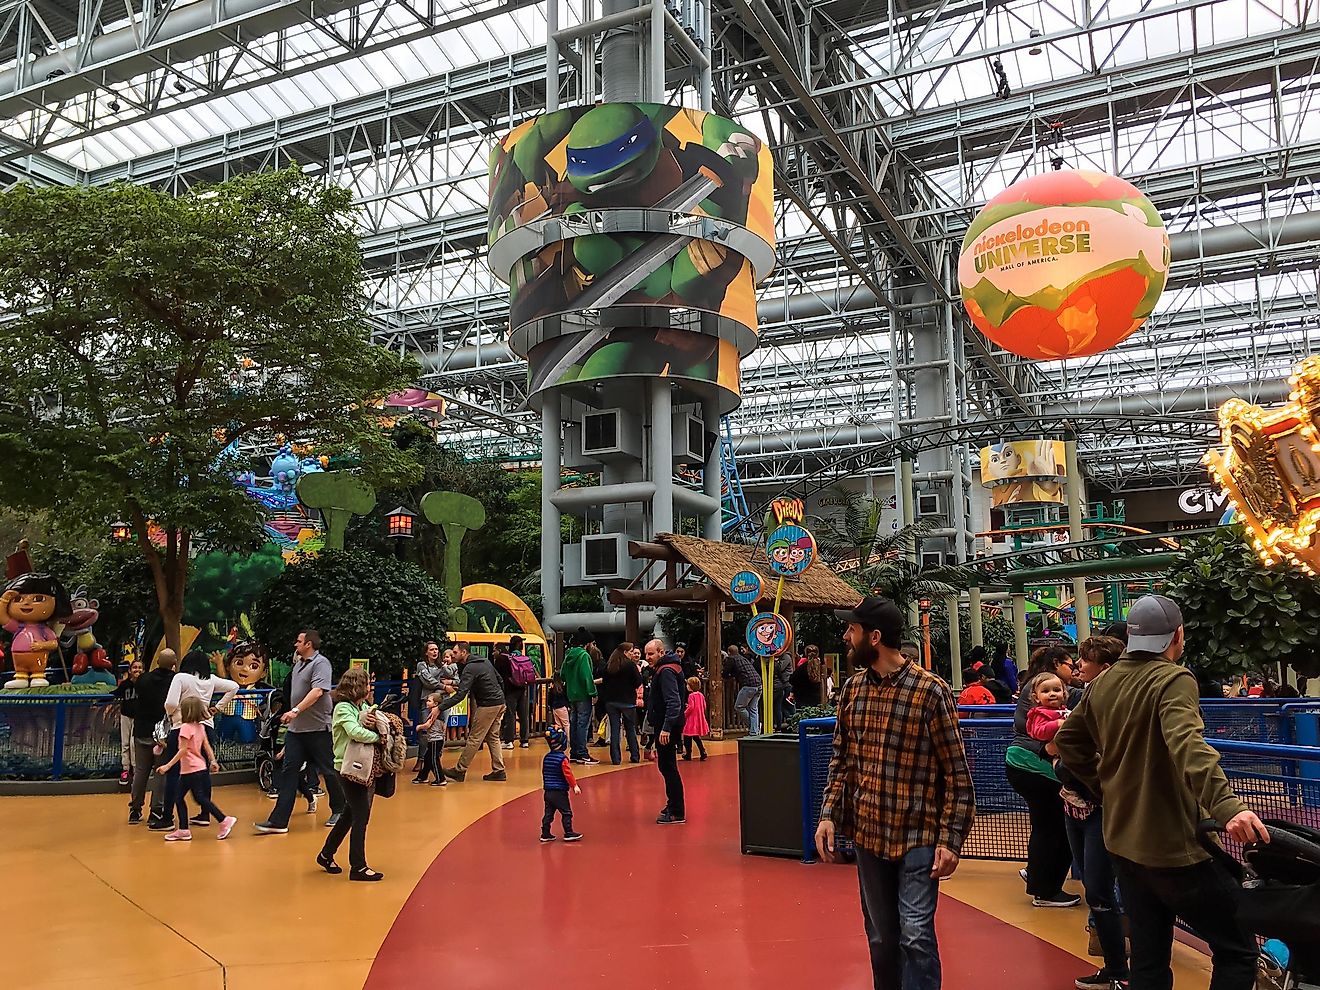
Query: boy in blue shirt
[(557, 778)]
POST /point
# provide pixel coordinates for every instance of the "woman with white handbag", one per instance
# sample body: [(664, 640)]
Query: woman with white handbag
[(354, 733)]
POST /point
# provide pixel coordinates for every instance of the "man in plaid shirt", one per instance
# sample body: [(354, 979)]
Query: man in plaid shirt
[(900, 788)]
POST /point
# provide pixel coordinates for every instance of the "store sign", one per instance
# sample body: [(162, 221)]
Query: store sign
[(1202, 501)]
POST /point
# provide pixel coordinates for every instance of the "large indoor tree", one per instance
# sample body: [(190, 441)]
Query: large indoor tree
[(146, 340)]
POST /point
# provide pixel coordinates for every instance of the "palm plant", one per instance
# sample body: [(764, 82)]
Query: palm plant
[(887, 564)]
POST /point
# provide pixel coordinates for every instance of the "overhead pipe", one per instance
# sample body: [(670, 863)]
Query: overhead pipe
[(178, 23)]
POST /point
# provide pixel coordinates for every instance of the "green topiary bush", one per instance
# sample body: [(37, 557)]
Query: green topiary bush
[(363, 605)]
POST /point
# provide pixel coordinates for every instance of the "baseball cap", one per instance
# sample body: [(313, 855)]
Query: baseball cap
[(1151, 623), (876, 612)]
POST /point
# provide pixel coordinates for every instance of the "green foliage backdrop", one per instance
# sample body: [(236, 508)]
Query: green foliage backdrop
[(363, 604), (1241, 615)]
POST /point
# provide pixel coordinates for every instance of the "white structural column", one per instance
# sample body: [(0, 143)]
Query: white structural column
[(1075, 489), (551, 542)]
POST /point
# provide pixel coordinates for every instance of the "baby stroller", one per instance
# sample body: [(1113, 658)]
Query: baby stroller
[(1279, 900), (268, 729)]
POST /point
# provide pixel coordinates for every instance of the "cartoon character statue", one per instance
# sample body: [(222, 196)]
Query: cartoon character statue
[(34, 607), (285, 468), (78, 635), (245, 663)]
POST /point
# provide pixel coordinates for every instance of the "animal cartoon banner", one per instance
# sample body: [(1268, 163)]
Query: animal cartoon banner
[(1024, 472), (616, 156)]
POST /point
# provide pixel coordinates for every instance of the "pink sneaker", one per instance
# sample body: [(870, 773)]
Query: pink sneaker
[(226, 827), (179, 835)]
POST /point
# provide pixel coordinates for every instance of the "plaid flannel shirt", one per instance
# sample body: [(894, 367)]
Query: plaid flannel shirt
[(899, 778)]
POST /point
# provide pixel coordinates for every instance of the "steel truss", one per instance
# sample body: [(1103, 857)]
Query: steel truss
[(886, 132)]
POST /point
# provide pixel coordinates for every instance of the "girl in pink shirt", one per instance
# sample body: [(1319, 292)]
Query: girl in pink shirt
[(1049, 711), (695, 725), (196, 761)]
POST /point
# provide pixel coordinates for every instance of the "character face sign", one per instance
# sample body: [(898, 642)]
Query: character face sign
[(791, 550), (768, 634)]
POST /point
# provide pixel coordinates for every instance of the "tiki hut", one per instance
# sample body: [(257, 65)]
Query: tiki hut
[(698, 574)]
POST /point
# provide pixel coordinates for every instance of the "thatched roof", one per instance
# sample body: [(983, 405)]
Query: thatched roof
[(819, 588)]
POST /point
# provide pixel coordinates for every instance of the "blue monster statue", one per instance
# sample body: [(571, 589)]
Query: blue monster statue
[(284, 470)]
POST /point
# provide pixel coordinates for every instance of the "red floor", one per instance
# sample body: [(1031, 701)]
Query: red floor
[(636, 906)]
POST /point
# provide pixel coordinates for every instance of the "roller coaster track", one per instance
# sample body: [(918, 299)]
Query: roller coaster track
[(1202, 429), (1169, 542)]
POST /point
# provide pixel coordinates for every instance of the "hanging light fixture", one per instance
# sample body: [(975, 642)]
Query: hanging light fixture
[(399, 524), (1036, 48)]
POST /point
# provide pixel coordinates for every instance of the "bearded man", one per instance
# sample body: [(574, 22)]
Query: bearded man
[(899, 787)]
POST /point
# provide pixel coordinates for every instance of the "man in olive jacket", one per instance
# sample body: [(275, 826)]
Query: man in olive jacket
[(1137, 739)]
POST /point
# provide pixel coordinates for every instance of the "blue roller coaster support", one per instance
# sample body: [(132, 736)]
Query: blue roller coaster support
[(737, 517)]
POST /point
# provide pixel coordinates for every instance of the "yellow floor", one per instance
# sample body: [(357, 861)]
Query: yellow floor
[(113, 906)]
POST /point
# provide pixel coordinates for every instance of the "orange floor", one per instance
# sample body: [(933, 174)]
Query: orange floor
[(114, 906)]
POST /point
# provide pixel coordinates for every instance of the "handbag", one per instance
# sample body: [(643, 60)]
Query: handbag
[(160, 732), (385, 785), (359, 762)]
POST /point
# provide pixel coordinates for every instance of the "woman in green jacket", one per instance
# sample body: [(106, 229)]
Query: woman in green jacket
[(351, 721)]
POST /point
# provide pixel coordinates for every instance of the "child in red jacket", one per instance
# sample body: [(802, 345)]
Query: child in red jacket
[(1048, 697), (695, 724)]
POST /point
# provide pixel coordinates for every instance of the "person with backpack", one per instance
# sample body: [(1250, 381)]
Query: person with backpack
[(518, 674), (665, 713)]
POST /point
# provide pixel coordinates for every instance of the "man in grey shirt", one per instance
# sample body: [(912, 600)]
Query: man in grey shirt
[(308, 739)]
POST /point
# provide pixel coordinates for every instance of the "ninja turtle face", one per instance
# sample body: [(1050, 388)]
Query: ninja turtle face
[(610, 146)]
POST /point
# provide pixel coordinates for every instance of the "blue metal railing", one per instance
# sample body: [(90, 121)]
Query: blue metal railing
[(1278, 781)]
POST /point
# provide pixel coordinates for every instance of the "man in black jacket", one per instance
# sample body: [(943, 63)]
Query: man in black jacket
[(477, 677), (150, 709), (664, 714)]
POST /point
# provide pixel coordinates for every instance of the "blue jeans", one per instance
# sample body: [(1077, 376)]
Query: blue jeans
[(898, 906), (748, 701), (1086, 837), (622, 715), (579, 727)]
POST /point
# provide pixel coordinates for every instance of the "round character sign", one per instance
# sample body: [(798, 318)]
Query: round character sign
[(768, 635), (792, 550), (745, 588)]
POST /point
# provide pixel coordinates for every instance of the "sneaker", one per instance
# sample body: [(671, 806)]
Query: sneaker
[(547, 838), (161, 825), (419, 780), (496, 775), (134, 817), (665, 818), (1059, 900), (123, 779), (439, 783), (1023, 874), (226, 827), (273, 794), (525, 745), (313, 803), (270, 828), (589, 762), (179, 835), (199, 821), (1096, 981), (506, 745), (572, 836), (455, 774), (332, 821)]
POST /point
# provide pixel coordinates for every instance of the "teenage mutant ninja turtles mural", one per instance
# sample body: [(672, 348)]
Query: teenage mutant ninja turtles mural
[(639, 155)]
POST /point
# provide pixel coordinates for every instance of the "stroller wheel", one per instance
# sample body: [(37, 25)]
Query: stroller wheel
[(265, 773)]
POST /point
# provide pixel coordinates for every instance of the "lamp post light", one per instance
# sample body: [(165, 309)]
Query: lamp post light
[(120, 531), (399, 524)]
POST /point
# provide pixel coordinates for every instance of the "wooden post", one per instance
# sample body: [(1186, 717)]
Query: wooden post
[(715, 668), (632, 623)]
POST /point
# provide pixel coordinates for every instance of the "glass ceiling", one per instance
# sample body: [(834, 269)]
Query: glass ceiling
[(932, 68)]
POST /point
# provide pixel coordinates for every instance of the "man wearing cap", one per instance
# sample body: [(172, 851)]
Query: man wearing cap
[(1137, 739), (900, 788)]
